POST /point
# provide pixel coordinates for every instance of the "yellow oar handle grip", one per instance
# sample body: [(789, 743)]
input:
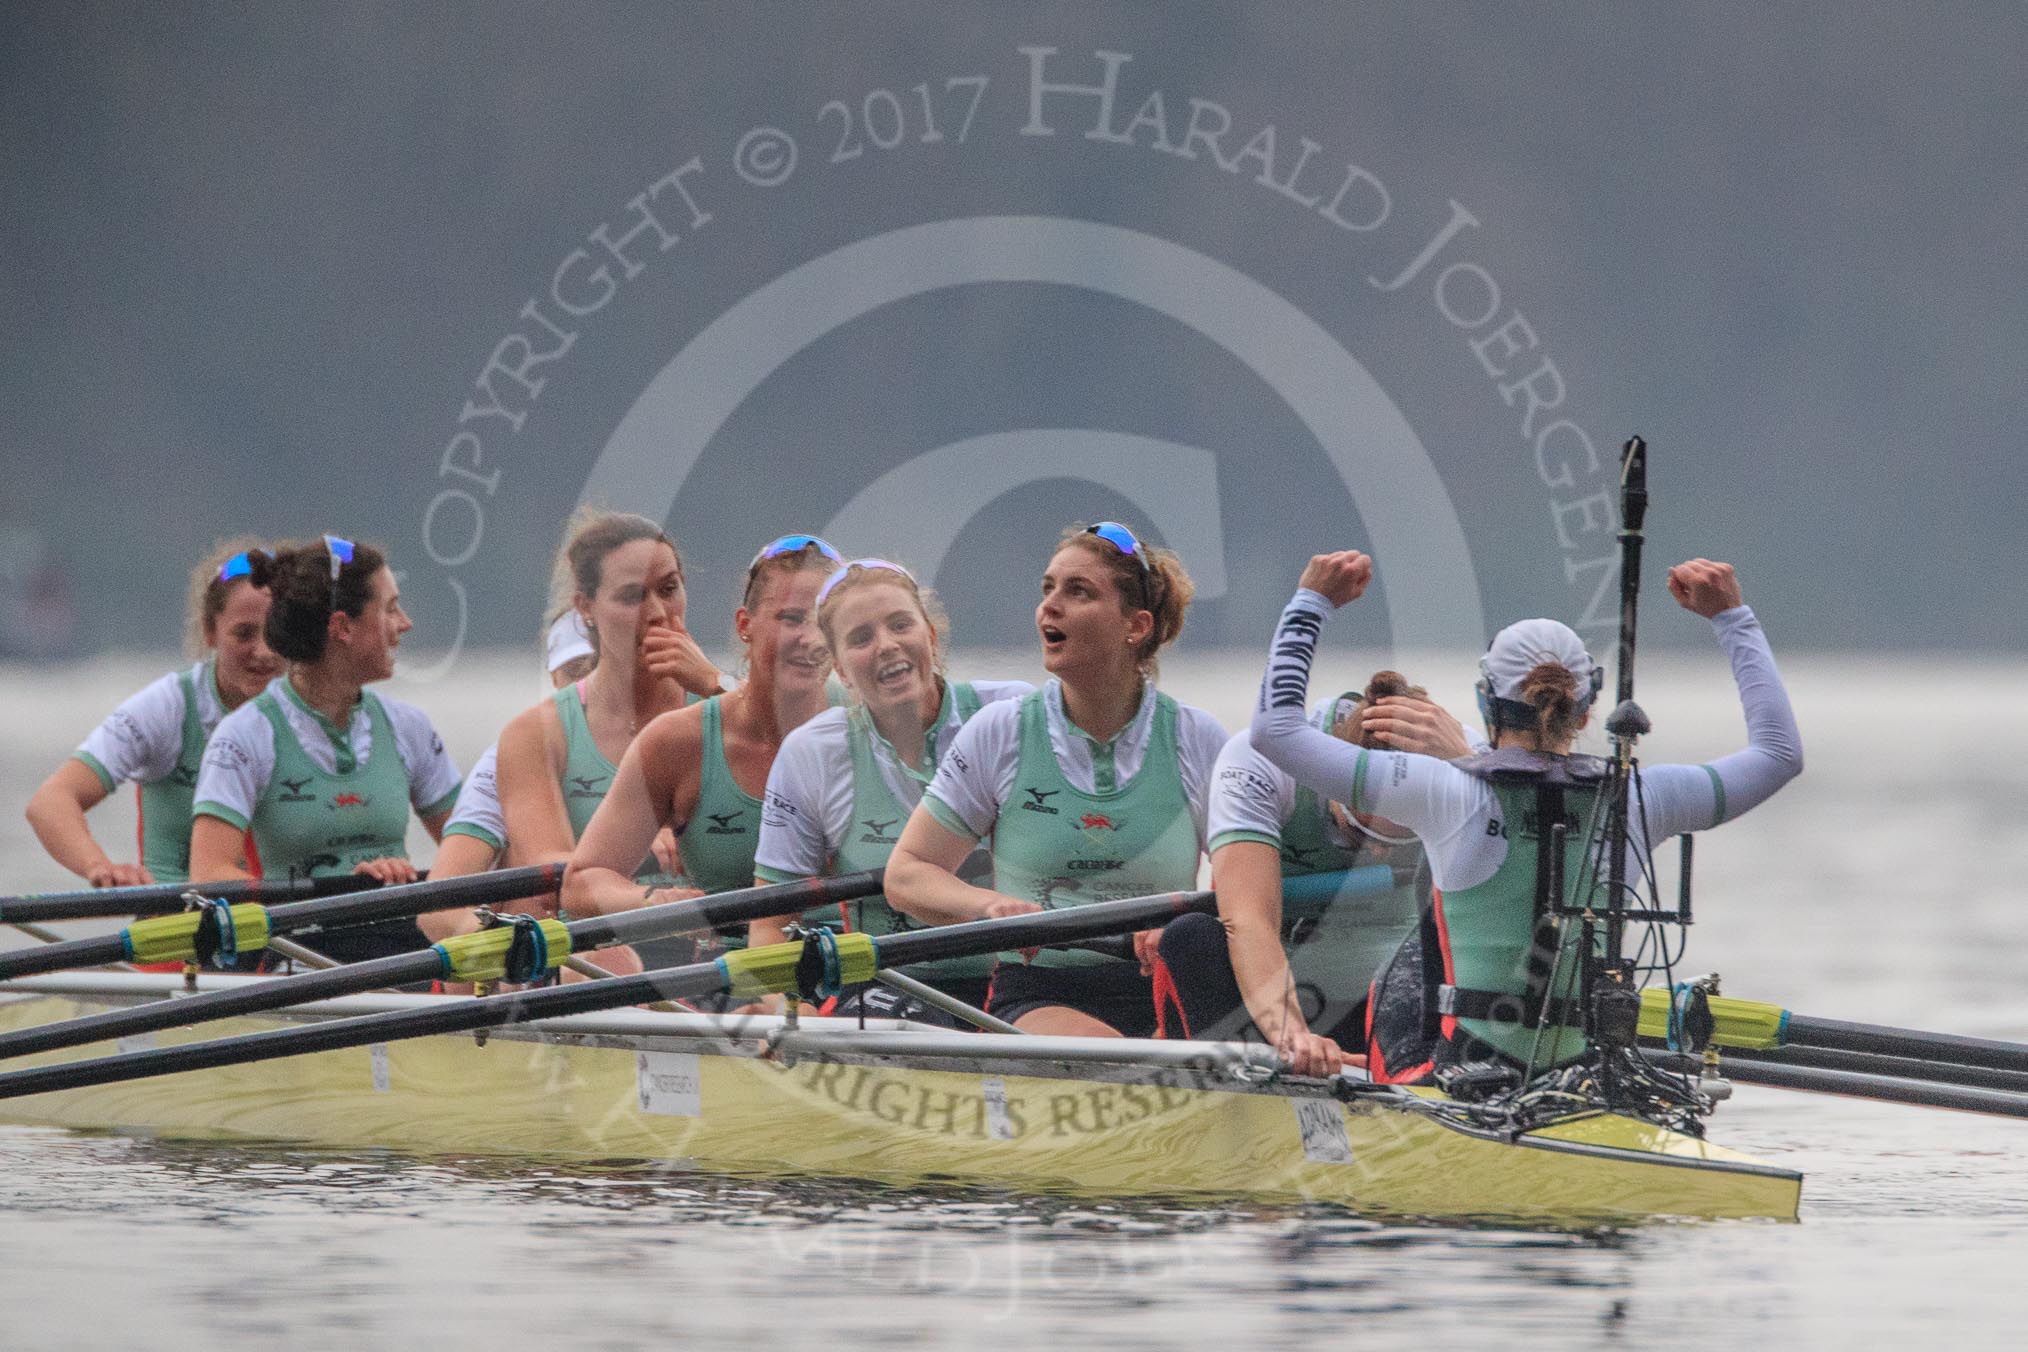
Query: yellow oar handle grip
[(1746, 1024), (173, 938), (482, 955), (771, 969)]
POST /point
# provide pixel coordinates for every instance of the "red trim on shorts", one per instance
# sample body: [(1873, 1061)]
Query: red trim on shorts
[(1450, 1023), (1166, 995)]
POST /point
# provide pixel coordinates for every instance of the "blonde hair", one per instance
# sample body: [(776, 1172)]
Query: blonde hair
[(1168, 588), (206, 596), (858, 576)]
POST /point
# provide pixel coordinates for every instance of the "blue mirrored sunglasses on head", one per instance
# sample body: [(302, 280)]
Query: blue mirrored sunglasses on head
[(1124, 540), (887, 564), (340, 550), (240, 564), (789, 544)]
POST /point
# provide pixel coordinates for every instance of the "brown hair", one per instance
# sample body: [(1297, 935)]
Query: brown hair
[(858, 576), (589, 536), (1350, 725), (298, 578), (1164, 587), (1551, 690), (208, 595)]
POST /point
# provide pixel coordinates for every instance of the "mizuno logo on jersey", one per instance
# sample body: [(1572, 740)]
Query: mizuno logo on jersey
[(292, 791), (1036, 803), (588, 786), (723, 823), (876, 832)]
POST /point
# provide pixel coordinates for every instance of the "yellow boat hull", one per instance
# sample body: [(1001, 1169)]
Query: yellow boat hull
[(1084, 1129)]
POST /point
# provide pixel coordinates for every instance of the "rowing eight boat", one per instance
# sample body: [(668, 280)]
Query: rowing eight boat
[(898, 1103)]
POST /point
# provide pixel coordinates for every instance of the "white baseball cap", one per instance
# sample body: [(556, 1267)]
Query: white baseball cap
[(568, 640)]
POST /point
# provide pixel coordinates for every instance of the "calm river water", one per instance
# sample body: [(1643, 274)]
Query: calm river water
[(1885, 885)]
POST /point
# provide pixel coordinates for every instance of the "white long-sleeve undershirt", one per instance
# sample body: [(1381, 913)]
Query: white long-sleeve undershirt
[(1457, 815)]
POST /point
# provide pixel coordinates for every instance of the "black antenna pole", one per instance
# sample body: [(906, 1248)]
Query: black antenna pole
[(1614, 1006)]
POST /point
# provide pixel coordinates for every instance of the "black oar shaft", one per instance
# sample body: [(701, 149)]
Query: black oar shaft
[(1896, 1067), (330, 983), (1837, 1035), (411, 899), (654, 922), (167, 898), (311, 917), (1885, 1088), (675, 983)]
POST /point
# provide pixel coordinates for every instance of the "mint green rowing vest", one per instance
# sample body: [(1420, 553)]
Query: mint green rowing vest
[(588, 775), (877, 819), (1490, 930), (310, 823), (1059, 846), (1340, 941), (165, 803), (719, 840)]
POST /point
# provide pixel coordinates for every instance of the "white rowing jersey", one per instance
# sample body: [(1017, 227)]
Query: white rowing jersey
[(478, 811), (976, 777), (809, 806), (239, 760), (1252, 798), (1456, 814), (140, 741)]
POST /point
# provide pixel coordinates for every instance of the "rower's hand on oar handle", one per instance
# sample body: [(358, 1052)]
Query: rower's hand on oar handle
[(1339, 577), (1000, 906), (388, 871), (1405, 723), (1705, 587), (1313, 1054), (668, 652), (1148, 949), (665, 850), (109, 874)]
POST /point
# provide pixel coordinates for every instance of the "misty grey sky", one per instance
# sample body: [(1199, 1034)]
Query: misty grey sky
[(254, 258)]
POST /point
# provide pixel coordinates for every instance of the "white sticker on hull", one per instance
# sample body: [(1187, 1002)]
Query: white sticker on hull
[(671, 1084), (383, 1078), (136, 1042), (998, 1125), (1322, 1124)]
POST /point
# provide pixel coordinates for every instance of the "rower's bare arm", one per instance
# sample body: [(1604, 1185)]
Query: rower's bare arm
[(529, 763), (217, 850), (1247, 875), (600, 879), (1705, 587), (56, 813), (922, 877)]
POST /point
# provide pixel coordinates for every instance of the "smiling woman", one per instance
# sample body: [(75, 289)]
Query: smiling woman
[(700, 770), (317, 769), (156, 738), (1090, 789)]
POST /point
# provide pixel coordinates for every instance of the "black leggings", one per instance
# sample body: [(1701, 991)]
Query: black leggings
[(1194, 949)]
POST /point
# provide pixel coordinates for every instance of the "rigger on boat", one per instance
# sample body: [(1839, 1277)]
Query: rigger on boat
[(1444, 983)]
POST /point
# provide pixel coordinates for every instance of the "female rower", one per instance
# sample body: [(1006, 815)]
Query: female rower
[(475, 837), (701, 770), (321, 771), (1090, 789), (156, 738), (845, 781), (1506, 974), (1290, 961)]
